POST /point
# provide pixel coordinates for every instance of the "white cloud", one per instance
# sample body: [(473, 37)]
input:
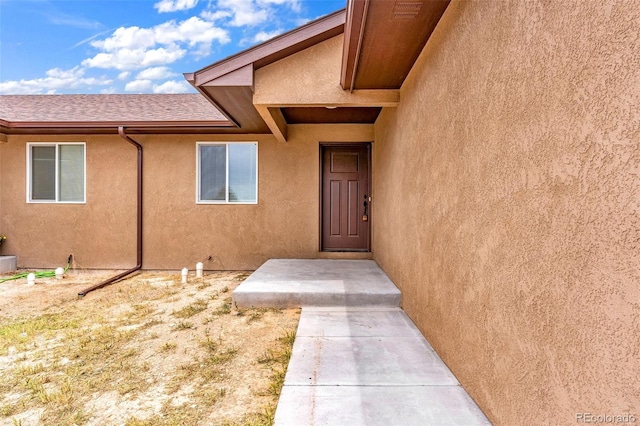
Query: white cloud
[(214, 16), (127, 59), (127, 38), (134, 47), (147, 86), (155, 73), (56, 79), (293, 4), (264, 35), (192, 31), (250, 12), (139, 86), (173, 86), (124, 75), (174, 5), (244, 12)]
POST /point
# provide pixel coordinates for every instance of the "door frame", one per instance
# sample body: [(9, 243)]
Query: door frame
[(321, 147)]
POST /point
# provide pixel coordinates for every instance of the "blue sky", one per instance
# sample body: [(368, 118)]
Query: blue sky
[(133, 46)]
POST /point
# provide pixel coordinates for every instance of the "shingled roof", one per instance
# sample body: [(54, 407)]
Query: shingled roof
[(103, 113)]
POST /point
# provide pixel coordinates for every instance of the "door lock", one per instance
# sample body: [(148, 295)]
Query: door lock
[(364, 214)]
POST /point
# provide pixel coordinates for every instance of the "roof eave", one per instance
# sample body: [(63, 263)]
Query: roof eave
[(108, 127), (272, 50)]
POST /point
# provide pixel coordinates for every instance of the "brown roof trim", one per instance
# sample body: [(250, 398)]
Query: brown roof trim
[(110, 124), (274, 49), (107, 127), (353, 33)]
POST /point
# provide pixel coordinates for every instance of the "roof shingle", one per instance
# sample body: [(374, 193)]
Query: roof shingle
[(108, 108)]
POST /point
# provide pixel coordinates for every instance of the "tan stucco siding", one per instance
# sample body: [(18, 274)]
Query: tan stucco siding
[(3, 141), (311, 77), (308, 76), (100, 232), (178, 232), (508, 204)]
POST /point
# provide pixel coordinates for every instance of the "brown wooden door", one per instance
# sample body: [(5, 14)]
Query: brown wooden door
[(345, 188)]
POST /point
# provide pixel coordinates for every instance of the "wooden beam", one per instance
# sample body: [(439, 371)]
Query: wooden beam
[(275, 121)]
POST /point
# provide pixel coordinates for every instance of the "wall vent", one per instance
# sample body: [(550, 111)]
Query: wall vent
[(406, 9)]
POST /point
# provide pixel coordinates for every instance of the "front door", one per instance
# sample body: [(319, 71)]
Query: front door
[(345, 197)]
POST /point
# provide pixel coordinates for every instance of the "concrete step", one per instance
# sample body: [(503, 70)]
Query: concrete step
[(288, 283)]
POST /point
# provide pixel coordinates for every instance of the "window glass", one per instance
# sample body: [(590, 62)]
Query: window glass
[(213, 166), (71, 172), (56, 172), (43, 173), (242, 173), (228, 172)]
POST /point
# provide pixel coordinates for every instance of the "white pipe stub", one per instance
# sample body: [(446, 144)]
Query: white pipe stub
[(185, 272), (31, 279), (199, 268), (59, 273)]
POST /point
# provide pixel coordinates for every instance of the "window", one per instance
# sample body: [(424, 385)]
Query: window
[(227, 172), (56, 172)]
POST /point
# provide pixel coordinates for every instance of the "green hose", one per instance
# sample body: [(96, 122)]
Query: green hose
[(41, 274)]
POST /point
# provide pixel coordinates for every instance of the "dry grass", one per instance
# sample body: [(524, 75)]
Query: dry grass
[(145, 351)]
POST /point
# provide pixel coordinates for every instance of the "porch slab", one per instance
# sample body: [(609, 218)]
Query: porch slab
[(290, 283), (8, 264)]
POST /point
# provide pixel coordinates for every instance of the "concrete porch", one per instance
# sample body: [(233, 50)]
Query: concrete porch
[(357, 359), (292, 283)]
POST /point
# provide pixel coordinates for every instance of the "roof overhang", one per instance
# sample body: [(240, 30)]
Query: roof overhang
[(382, 40), (229, 84), (107, 128)]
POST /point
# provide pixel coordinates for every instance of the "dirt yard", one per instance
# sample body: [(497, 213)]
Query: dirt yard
[(145, 351)]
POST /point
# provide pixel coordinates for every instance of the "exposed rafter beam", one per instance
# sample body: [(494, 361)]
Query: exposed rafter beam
[(275, 120)]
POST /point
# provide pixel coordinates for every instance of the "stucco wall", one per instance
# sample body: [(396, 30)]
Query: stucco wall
[(3, 139), (508, 204), (177, 231), (100, 233)]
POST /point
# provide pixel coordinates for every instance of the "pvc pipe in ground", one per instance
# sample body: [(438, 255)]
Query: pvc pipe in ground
[(31, 279), (199, 267), (59, 273), (185, 272)]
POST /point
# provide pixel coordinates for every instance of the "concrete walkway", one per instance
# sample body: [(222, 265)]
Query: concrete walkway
[(357, 364)]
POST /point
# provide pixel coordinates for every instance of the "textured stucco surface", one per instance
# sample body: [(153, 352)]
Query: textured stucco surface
[(308, 76), (100, 233), (177, 231), (508, 204)]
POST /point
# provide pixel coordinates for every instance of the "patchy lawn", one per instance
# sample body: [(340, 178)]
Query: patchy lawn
[(144, 351)]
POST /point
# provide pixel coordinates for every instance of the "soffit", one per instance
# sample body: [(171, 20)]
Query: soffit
[(338, 115), (384, 38)]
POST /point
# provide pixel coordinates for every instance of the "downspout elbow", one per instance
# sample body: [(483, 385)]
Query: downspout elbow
[(123, 134)]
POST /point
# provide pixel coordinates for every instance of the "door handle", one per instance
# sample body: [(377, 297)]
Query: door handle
[(365, 217)]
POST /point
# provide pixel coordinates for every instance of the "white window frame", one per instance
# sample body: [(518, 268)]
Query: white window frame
[(57, 174), (198, 180)]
